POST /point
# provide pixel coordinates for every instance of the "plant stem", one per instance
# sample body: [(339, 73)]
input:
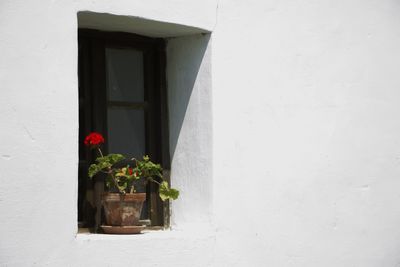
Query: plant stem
[(115, 182), (152, 180), (110, 173), (101, 154)]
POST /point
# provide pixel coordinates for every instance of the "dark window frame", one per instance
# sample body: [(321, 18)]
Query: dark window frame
[(93, 114)]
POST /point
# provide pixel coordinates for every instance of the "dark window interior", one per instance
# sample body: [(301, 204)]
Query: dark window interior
[(122, 95)]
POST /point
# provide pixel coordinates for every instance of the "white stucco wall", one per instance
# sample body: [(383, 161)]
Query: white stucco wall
[(299, 126), (306, 133)]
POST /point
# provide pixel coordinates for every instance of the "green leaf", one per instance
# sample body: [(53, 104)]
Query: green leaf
[(110, 158), (93, 169), (104, 165), (166, 192), (114, 158), (105, 162)]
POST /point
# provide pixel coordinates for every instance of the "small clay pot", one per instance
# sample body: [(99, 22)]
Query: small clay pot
[(123, 209)]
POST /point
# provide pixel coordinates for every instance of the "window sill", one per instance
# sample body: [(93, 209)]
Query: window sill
[(187, 233), (151, 248)]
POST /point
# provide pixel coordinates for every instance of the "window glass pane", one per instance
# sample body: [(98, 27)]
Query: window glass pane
[(124, 75), (126, 132)]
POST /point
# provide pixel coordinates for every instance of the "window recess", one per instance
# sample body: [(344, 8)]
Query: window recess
[(122, 94)]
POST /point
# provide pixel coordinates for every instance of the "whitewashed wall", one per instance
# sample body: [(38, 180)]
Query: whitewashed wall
[(306, 133), (305, 149)]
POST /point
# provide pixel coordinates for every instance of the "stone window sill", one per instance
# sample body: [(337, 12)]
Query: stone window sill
[(168, 234)]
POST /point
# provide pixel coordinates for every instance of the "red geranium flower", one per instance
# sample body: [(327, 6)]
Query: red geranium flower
[(94, 139)]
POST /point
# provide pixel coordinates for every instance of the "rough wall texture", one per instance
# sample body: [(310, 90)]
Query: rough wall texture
[(305, 135)]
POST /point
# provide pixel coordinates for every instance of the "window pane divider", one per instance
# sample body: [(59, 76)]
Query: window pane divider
[(128, 105)]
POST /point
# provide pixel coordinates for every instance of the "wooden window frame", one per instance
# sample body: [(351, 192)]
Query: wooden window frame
[(93, 113)]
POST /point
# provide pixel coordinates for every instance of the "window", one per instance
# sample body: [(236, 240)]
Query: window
[(122, 94)]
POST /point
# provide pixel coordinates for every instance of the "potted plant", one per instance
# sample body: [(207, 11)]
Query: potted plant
[(122, 204)]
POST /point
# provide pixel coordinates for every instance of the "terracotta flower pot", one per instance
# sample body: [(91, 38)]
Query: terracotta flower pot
[(123, 210)]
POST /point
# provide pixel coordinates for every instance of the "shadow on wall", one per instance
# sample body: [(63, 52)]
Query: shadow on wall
[(190, 124), (189, 85)]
